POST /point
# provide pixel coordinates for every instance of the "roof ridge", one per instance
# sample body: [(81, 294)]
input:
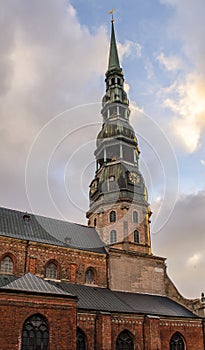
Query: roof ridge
[(45, 217), (32, 283)]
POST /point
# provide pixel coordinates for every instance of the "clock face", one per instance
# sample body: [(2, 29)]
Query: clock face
[(134, 178), (93, 187)]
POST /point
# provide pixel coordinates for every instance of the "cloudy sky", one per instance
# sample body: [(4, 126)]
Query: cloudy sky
[(53, 56)]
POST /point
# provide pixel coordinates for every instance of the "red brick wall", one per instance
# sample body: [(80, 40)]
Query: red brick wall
[(60, 314), (124, 212), (104, 340), (87, 322), (101, 329), (152, 333), (72, 263), (190, 330), (134, 324), (149, 332), (16, 249)]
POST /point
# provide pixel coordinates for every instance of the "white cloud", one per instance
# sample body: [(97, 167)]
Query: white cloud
[(186, 96), (202, 162), (186, 25), (194, 260), (191, 108), (149, 68), (71, 10), (186, 100), (49, 62), (170, 63), (129, 49), (182, 241)]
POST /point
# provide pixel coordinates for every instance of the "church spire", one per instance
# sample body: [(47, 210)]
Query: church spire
[(114, 63), (118, 197)]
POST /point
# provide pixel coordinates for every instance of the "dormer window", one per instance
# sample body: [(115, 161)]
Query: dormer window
[(26, 217)]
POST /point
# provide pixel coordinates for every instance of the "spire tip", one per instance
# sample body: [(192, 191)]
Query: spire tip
[(111, 13)]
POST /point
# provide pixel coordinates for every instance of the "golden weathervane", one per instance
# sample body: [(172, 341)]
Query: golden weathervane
[(111, 13)]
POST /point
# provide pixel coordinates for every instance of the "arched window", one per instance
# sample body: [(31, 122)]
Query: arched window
[(6, 265), (113, 236), (135, 216), (112, 216), (95, 222), (51, 271), (124, 341), (136, 236), (176, 342), (90, 276), (81, 340), (35, 334)]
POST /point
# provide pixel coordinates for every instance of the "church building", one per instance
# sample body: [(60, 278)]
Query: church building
[(65, 286)]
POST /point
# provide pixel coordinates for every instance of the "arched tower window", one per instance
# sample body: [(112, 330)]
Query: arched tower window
[(112, 216), (51, 271), (135, 216), (81, 340), (124, 341), (176, 342), (35, 333), (95, 222), (113, 236), (136, 236), (6, 265), (90, 276)]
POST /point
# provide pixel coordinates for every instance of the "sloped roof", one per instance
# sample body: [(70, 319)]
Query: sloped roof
[(48, 230), (104, 299), (6, 279), (32, 283), (99, 299), (158, 305)]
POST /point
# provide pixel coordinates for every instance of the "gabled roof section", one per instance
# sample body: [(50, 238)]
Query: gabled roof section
[(114, 63), (98, 299), (31, 283), (47, 230), (104, 299)]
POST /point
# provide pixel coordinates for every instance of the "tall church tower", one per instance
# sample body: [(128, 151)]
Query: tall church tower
[(118, 197)]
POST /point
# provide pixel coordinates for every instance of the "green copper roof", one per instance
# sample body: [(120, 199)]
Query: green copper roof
[(113, 57)]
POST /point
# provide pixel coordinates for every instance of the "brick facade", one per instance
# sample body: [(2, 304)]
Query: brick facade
[(71, 263), (60, 313), (148, 332), (191, 331), (134, 272), (124, 225), (125, 270)]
